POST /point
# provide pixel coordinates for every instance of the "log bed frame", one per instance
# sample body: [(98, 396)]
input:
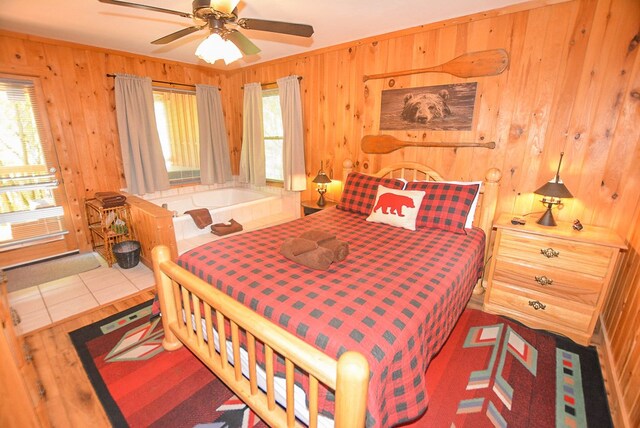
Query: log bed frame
[(348, 376)]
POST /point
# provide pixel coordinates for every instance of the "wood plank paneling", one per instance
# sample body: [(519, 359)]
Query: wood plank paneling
[(573, 85)]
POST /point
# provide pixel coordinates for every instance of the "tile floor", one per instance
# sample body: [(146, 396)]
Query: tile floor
[(43, 304)]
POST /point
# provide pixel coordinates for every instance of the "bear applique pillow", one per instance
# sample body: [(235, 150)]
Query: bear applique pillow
[(396, 207)]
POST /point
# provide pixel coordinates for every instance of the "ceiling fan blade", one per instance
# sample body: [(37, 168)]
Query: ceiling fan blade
[(145, 7), (175, 36), (301, 30), (224, 6), (242, 42)]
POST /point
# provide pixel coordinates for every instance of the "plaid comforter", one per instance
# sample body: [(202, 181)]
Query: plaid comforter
[(395, 298)]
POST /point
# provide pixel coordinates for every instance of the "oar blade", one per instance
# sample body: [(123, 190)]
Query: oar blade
[(474, 64), (380, 144)]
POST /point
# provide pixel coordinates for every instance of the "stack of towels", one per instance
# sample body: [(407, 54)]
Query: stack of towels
[(315, 249), (110, 199)]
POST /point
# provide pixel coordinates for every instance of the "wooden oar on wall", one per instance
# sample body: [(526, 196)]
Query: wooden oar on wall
[(380, 144), (472, 64)]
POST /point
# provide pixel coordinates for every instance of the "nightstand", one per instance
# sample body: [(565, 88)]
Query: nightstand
[(554, 278), (310, 207)]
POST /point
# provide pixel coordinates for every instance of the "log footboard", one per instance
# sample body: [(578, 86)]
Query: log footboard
[(210, 308)]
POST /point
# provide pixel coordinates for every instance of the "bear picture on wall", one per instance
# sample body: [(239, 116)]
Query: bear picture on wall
[(436, 108)]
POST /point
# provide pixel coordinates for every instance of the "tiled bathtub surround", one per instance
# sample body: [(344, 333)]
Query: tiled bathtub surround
[(252, 206)]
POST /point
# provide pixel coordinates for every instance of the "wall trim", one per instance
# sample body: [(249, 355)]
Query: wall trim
[(619, 412)]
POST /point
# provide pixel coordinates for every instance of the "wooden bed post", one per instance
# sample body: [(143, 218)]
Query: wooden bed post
[(161, 254), (353, 376), (489, 202)]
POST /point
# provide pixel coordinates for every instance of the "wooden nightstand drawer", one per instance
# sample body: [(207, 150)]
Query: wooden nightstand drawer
[(555, 278), (554, 282), (556, 253), (533, 306)]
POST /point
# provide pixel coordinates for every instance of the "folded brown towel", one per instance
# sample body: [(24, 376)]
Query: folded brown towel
[(339, 249), (319, 258), (110, 199), (201, 217), (221, 229), (317, 235), (301, 245)]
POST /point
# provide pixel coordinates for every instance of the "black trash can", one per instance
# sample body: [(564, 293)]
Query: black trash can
[(127, 254)]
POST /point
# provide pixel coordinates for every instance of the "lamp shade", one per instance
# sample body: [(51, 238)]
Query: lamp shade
[(554, 188), (322, 178)]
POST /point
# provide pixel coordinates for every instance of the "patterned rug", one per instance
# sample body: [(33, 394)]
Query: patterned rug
[(491, 372)]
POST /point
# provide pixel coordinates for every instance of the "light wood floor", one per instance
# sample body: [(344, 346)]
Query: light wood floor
[(70, 398)]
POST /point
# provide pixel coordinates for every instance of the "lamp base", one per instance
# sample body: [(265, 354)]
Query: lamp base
[(547, 218), (321, 201)]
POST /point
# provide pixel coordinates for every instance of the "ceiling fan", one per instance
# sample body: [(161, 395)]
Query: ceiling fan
[(223, 43)]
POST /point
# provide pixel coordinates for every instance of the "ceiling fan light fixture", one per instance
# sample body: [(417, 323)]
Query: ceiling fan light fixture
[(226, 6), (215, 47)]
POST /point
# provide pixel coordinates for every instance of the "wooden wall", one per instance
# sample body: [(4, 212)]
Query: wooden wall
[(573, 85), (569, 88)]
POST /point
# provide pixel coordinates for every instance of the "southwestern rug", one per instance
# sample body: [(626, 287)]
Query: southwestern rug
[(491, 372)]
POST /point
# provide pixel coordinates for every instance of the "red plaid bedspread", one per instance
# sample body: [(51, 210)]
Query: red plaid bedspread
[(395, 298)]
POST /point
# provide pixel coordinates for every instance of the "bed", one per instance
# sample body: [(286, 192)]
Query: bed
[(344, 347)]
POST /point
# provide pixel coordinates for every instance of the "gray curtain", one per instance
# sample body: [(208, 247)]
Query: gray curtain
[(215, 165), (295, 177), (252, 157), (144, 168)]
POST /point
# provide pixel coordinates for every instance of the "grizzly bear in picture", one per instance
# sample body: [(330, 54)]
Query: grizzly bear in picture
[(391, 203), (423, 108)]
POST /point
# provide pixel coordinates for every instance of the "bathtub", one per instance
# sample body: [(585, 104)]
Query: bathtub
[(248, 206)]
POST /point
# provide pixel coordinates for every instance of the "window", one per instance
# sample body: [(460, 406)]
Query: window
[(30, 208), (177, 120), (273, 134)]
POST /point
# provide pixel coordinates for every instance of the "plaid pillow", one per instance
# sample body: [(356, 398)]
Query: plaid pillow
[(445, 205), (360, 190)]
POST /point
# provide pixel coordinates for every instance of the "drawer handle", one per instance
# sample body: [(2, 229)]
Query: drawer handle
[(15, 317), (535, 304), (543, 280), (26, 351), (549, 253)]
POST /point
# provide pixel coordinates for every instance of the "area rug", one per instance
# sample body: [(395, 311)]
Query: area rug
[(50, 270), (491, 372)]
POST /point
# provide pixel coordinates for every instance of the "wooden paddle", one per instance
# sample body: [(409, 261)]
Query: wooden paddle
[(472, 64), (379, 144)]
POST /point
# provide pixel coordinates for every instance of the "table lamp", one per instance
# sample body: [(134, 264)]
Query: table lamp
[(321, 181), (552, 192)]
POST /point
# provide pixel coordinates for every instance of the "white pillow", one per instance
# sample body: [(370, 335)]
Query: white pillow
[(396, 207)]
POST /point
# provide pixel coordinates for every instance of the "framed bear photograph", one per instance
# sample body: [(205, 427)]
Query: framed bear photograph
[(436, 108)]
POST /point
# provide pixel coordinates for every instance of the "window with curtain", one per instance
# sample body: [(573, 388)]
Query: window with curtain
[(177, 119), (30, 192), (273, 135)]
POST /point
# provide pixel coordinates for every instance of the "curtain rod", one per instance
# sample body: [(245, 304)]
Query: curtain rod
[(165, 82), (263, 85)]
